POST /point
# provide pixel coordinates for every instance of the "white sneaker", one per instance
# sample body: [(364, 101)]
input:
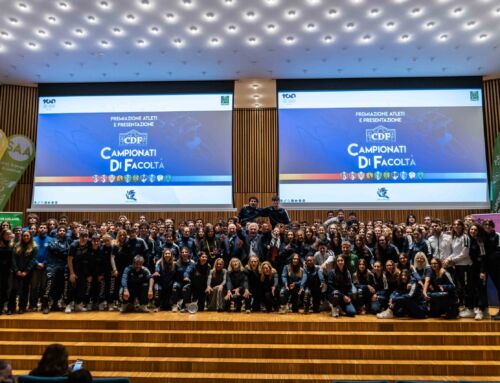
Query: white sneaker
[(68, 309), (387, 314), (479, 315), (335, 312), (467, 313), (80, 308)]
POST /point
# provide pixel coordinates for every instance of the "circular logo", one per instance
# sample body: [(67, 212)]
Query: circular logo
[(20, 148)]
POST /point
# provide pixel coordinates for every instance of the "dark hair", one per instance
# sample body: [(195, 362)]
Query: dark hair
[(80, 376), (54, 362), (253, 197), (275, 198)]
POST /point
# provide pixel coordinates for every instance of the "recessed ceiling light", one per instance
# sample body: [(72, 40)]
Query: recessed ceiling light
[(252, 40), (155, 30), (255, 86), (291, 13), (193, 29), (430, 24), (310, 27), (51, 19), (141, 42), (483, 36), (214, 41), (405, 38), (210, 16), (23, 7), (415, 12), (458, 11), (91, 18), (177, 41), (228, 2), (145, 3), (231, 28), (187, 3), (63, 5), (170, 17), (251, 15), (104, 43), (374, 12), (13, 20), (258, 105), (256, 96), (350, 25), (390, 25), (328, 39), (290, 39), (68, 44), (41, 32), (443, 37), (130, 17), (272, 3), (32, 45), (271, 27), (104, 4), (117, 31), (367, 37), (5, 34), (471, 24), (332, 12)]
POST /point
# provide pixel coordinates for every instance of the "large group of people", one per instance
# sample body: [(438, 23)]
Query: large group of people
[(258, 261)]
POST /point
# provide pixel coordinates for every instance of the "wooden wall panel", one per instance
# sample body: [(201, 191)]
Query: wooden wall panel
[(255, 159)]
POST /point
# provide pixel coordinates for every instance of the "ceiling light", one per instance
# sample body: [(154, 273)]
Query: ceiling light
[(214, 41), (271, 27), (374, 12), (390, 25), (258, 105), (13, 20), (23, 7), (367, 38), (328, 39), (255, 86), (251, 15), (104, 43), (471, 24), (430, 24), (457, 11), (193, 29), (116, 31), (170, 17), (483, 36), (32, 45), (210, 16), (177, 41), (63, 5), (405, 38), (5, 34), (415, 12), (91, 19), (252, 40), (104, 4), (68, 44), (41, 32), (443, 37), (310, 27), (289, 40), (332, 12), (256, 96), (291, 13), (80, 32), (131, 18), (145, 3), (187, 3), (272, 3), (51, 19), (231, 28), (350, 26), (141, 42), (228, 2)]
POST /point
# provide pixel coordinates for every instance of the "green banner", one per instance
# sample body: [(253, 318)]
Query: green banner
[(19, 154), (15, 219), (495, 178)]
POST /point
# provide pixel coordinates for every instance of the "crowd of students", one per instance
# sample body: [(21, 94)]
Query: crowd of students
[(342, 265)]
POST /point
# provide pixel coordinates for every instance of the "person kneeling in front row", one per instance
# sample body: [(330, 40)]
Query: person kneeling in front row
[(136, 283)]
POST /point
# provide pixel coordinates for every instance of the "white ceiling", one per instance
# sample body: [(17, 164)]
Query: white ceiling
[(144, 40)]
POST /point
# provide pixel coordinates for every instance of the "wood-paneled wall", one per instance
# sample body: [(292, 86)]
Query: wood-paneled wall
[(255, 159)]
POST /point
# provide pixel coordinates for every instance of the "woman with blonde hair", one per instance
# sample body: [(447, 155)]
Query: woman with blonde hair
[(268, 286), (216, 286), (164, 276), (23, 262), (290, 279)]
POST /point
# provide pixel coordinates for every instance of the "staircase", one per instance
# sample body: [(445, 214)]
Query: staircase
[(222, 348)]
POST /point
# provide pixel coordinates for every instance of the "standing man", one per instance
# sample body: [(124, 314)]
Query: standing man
[(39, 275), (276, 213), (249, 212)]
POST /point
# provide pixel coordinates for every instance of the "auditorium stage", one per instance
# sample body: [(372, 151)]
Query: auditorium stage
[(227, 347)]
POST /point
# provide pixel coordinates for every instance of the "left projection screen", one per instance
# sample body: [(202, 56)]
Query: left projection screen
[(134, 152)]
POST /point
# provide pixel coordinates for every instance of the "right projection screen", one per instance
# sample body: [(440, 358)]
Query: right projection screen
[(412, 146)]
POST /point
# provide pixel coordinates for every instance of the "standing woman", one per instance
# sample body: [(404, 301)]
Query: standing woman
[(23, 262), (478, 285), (210, 245), (269, 286), (491, 263), (164, 276), (196, 277), (252, 271), (6, 246), (290, 279), (340, 289), (216, 286), (460, 260)]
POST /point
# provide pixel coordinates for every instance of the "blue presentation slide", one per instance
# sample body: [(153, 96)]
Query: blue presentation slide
[(170, 150), (373, 148)]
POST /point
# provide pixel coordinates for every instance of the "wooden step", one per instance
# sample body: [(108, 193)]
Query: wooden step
[(174, 377), (275, 366), (253, 337), (239, 322), (292, 351)]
